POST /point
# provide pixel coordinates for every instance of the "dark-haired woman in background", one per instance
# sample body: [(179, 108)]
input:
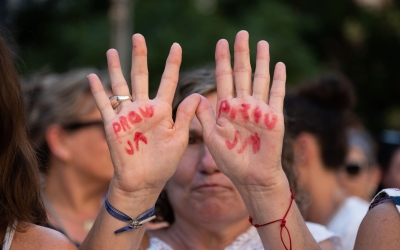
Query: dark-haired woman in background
[(317, 120), (178, 201)]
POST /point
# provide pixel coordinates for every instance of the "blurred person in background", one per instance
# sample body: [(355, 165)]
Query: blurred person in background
[(175, 206), (317, 120), (361, 175), (389, 159), (68, 133)]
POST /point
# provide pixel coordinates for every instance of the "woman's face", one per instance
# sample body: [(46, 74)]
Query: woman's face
[(198, 190), (355, 176), (89, 154), (391, 179)]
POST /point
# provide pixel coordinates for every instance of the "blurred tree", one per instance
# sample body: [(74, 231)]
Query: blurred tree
[(310, 36), (64, 34), (121, 17), (363, 43), (61, 34), (197, 28), (3, 12)]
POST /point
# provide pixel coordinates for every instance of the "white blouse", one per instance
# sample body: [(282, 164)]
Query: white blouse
[(9, 237), (250, 240)]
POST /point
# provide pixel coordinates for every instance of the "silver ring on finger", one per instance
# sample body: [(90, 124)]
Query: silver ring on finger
[(116, 100)]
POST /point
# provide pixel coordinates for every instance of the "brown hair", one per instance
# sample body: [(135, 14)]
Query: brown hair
[(322, 107), (19, 177), (202, 81)]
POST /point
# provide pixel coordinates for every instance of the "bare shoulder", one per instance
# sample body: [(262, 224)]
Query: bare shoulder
[(37, 237), (380, 228)]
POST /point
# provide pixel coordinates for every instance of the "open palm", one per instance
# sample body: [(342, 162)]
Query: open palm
[(245, 136), (145, 143)]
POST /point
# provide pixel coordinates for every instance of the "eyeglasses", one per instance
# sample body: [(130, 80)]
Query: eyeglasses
[(353, 169), (79, 125)]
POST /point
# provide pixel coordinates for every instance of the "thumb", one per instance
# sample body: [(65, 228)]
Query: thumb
[(205, 114), (185, 113)]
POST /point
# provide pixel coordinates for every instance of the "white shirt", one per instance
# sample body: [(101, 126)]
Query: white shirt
[(347, 220), (8, 237), (250, 240)]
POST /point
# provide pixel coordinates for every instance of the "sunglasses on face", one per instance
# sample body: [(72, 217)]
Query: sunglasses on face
[(353, 169), (80, 125)]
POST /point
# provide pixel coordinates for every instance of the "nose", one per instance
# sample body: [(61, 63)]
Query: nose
[(207, 165)]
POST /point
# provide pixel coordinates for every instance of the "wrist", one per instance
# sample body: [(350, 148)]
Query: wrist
[(265, 203), (132, 203), (264, 190)]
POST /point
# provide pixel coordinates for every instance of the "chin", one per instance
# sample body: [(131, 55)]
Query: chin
[(216, 209)]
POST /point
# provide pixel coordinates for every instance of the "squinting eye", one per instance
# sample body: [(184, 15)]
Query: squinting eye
[(192, 140)]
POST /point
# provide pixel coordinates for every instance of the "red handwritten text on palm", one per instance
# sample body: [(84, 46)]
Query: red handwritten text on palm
[(125, 123), (253, 140)]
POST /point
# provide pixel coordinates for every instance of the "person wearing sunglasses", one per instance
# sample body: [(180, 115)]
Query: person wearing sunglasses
[(389, 159), (67, 129), (360, 175)]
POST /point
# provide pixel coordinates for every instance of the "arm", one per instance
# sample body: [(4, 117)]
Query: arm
[(245, 140), (326, 245), (380, 228), (145, 144)]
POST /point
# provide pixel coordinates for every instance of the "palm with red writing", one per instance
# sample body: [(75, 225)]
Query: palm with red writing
[(245, 136), (145, 144)]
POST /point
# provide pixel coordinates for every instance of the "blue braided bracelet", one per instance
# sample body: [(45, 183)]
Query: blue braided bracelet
[(134, 223)]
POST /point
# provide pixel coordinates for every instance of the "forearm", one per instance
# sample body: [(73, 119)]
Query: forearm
[(270, 204), (102, 235)]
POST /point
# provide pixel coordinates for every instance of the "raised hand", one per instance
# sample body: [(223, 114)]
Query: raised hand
[(145, 143), (245, 136)]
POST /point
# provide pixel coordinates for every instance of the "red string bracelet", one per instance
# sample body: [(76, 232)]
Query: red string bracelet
[(283, 222)]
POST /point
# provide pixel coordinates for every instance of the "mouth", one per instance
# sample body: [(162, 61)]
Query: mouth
[(210, 188)]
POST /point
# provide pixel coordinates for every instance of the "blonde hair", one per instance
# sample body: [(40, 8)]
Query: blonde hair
[(57, 99)]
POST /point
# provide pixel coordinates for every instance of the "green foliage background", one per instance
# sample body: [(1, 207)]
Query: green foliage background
[(309, 36)]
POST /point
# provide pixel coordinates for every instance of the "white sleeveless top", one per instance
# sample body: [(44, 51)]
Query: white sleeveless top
[(250, 240), (389, 194), (9, 237)]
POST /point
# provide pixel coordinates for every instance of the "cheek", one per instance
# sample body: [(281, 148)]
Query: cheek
[(96, 144), (301, 177), (185, 172)]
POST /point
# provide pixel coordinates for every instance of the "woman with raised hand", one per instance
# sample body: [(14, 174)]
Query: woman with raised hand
[(145, 144), (244, 138), (198, 187)]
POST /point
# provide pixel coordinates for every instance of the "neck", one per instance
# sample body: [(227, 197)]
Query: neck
[(326, 196), (184, 234), (70, 191)]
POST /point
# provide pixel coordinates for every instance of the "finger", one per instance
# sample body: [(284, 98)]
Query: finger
[(170, 76), (205, 114), (185, 113), (278, 88), (261, 75), (223, 70), (139, 71), (118, 83), (242, 67), (101, 98)]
